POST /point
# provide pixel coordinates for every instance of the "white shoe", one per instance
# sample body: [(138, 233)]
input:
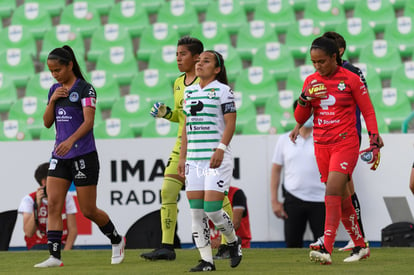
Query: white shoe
[(118, 252), (358, 253), (50, 262), (350, 245), (317, 245), (320, 256)]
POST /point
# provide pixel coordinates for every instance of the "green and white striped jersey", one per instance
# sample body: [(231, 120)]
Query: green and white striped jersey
[(204, 110)]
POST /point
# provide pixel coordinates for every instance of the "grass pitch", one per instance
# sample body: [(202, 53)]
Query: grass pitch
[(255, 261)]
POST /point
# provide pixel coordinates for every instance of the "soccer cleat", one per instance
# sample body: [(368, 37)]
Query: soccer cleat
[(350, 245), (358, 253), (222, 253), (118, 252), (50, 262), (159, 254), (318, 245), (321, 256), (203, 266), (235, 252)]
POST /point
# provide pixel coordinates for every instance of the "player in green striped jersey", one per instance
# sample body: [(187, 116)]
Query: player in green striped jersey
[(188, 52), (205, 157)]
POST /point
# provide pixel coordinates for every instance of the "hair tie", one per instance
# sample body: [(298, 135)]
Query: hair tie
[(218, 58)]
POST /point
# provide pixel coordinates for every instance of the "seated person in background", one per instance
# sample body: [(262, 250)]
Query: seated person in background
[(34, 210), (241, 224)]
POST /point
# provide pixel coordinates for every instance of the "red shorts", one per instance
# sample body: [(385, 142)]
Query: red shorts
[(340, 157)]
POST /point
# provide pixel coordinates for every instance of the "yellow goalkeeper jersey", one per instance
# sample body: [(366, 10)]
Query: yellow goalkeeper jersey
[(177, 112)]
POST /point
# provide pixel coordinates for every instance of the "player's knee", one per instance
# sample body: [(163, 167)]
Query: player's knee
[(89, 212), (54, 208), (170, 189), (216, 217)]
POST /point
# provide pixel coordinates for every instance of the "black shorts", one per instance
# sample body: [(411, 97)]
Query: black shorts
[(82, 170)]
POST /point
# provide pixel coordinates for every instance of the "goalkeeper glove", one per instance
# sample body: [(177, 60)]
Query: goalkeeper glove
[(159, 109), (315, 90), (372, 154)]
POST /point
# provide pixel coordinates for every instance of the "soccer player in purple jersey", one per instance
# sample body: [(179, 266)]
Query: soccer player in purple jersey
[(71, 107)]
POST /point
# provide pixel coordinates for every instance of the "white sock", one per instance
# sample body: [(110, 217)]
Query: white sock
[(223, 223), (201, 234)]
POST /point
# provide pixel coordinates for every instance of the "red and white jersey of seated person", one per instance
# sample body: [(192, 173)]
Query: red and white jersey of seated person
[(40, 236), (334, 117)]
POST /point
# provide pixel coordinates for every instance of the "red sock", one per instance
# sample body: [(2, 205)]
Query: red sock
[(333, 216), (349, 219)]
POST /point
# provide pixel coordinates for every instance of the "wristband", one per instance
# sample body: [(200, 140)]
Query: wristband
[(302, 100), (168, 113), (222, 146)]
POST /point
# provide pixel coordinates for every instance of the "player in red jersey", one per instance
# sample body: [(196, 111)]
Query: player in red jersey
[(332, 94)]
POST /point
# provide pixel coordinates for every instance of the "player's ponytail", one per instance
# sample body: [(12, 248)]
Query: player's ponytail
[(222, 75), (64, 56)]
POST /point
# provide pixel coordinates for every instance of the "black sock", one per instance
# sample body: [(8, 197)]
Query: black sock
[(110, 231), (355, 203), (167, 246), (54, 242)]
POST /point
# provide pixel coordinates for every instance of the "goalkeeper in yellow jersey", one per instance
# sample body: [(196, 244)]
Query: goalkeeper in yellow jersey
[(188, 51)]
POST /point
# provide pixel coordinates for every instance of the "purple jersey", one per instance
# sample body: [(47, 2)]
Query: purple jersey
[(69, 117)]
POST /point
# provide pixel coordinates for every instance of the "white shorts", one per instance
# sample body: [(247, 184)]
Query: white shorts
[(199, 177)]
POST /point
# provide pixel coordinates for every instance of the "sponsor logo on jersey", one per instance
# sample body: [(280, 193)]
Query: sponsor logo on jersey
[(341, 86), (327, 122), (201, 128), (317, 88), (74, 97), (196, 106), (61, 112), (195, 119), (62, 116), (327, 113)]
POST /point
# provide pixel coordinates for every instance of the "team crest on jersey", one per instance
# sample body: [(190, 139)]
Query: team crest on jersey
[(211, 93), (341, 86), (74, 97)]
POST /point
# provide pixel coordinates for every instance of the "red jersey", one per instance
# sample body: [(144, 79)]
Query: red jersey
[(334, 117), (40, 236)]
